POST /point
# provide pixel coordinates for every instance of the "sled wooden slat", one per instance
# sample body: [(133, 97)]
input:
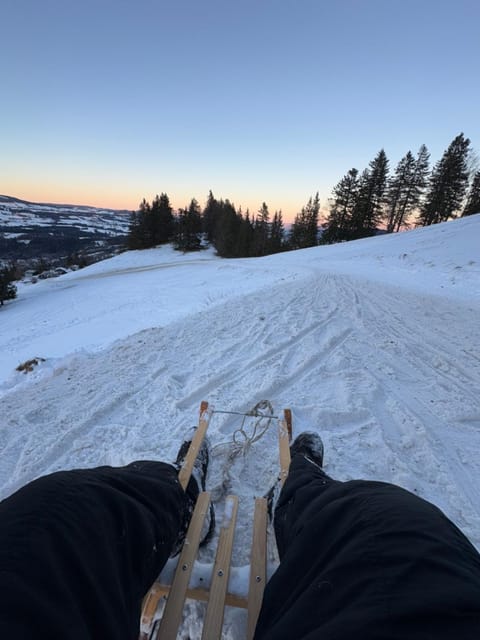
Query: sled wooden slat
[(258, 565), (202, 595), (186, 470), (172, 614), (149, 608), (212, 627), (284, 437), (216, 594)]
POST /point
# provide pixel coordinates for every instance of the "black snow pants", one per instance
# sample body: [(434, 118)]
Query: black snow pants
[(365, 561), (79, 549)]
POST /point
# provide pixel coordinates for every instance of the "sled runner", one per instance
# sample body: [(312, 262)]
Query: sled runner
[(214, 591)]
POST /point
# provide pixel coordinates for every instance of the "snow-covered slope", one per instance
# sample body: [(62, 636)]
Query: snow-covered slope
[(31, 231), (20, 215), (374, 344)]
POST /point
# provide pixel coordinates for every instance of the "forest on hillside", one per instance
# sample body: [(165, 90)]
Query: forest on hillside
[(362, 203)]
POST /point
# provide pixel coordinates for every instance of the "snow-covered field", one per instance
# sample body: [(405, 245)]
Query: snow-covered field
[(374, 344), (20, 214)]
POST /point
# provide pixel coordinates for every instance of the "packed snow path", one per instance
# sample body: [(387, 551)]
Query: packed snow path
[(389, 379)]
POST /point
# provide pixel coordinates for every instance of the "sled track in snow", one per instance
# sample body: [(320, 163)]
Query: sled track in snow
[(386, 376)]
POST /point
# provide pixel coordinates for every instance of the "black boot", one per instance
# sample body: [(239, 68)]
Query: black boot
[(307, 444), (200, 466), (196, 484)]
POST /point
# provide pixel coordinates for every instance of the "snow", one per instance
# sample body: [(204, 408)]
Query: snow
[(228, 512), (373, 344), (19, 213)]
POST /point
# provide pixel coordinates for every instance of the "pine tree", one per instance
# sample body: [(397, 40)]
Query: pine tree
[(405, 188), (296, 236), (139, 231), (188, 228), (447, 184), (245, 236), (8, 290), (227, 230), (210, 216), (304, 231), (261, 231), (312, 212), (165, 220), (397, 186), (339, 220), (134, 232), (473, 200), (357, 225), (277, 231), (368, 211), (152, 222)]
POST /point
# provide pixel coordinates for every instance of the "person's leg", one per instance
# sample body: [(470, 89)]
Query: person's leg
[(366, 559), (79, 550), (294, 500)]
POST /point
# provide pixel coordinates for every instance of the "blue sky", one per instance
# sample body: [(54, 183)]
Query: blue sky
[(106, 102)]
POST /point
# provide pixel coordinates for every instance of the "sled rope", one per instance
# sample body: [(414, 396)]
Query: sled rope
[(242, 440), (243, 413), (244, 437)]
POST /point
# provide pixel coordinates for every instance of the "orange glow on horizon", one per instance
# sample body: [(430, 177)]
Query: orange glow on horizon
[(100, 198), (75, 196)]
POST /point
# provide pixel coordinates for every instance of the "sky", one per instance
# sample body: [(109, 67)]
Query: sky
[(105, 102)]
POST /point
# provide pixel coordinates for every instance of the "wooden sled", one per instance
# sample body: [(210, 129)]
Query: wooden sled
[(216, 595)]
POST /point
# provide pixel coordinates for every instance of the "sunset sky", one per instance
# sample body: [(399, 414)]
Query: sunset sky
[(104, 102)]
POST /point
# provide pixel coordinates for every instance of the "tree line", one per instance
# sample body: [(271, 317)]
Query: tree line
[(364, 202), (232, 233)]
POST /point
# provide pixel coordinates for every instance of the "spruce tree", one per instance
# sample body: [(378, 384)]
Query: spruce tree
[(210, 216), (227, 229), (153, 223), (368, 211), (296, 236), (277, 231), (304, 230), (357, 225), (245, 236), (405, 188), (339, 220), (134, 232), (473, 200), (447, 184), (8, 290), (144, 226), (165, 220), (188, 228), (139, 232), (261, 231), (397, 186), (312, 210)]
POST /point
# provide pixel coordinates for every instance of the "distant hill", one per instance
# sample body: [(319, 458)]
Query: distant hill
[(52, 232)]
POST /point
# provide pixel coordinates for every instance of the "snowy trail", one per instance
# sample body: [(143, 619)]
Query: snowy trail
[(387, 377)]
